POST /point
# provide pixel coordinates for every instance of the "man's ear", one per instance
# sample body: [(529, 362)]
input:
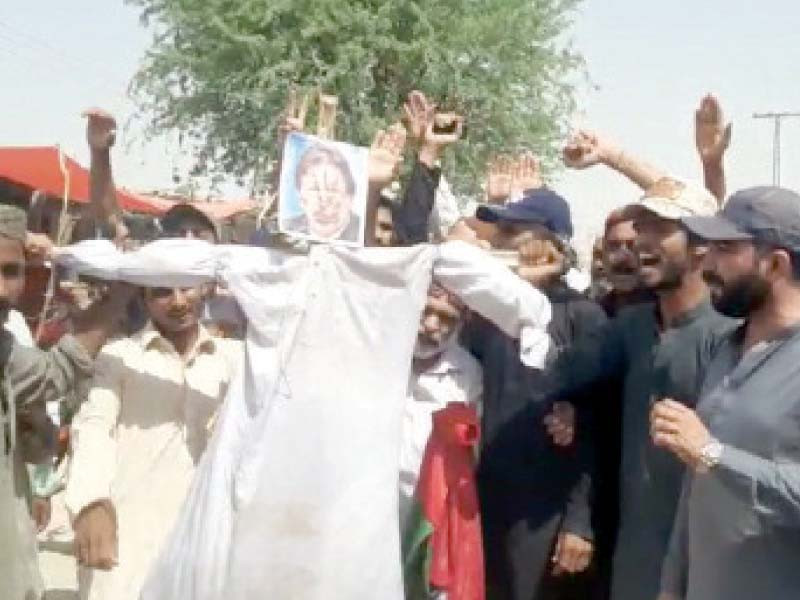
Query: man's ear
[(779, 264)]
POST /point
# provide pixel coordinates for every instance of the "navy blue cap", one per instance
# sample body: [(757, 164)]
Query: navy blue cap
[(767, 215), (541, 206)]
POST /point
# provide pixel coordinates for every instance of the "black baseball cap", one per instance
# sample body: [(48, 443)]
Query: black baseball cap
[(767, 215), (541, 206)]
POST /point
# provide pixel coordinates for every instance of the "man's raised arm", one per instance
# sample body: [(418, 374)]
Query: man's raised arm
[(490, 288), (101, 131), (587, 149), (712, 138)]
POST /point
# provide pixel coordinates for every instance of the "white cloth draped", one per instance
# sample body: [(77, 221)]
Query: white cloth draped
[(296, 496)]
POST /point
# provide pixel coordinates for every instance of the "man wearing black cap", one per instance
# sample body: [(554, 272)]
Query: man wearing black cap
[(534, 495), (736, 533)]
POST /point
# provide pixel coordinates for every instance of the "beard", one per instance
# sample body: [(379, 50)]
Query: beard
[(739, 297), (671, 276)]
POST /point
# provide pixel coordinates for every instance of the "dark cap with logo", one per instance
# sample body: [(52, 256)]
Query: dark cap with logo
[(766, 215), (541, 206)]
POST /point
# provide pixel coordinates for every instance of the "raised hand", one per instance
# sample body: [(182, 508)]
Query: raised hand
[(444, 129), (712, 134), (101, 129), (586, 149), (418, 114), (499, 179), (526, 174), (434, 142), (326, 120), (296, 108), (386, 155)]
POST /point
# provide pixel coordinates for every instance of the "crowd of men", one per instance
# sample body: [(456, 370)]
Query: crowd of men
[(272, 420)]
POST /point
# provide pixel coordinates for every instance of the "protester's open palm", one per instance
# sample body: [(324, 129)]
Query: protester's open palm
[(498, 179), (712, 135), (527, 173), (386, 155)]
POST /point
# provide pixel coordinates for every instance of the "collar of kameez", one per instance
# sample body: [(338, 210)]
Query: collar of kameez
[(150, 337), (703, 308)]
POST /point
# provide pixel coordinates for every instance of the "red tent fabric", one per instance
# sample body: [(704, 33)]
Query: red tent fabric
[(38, 169)]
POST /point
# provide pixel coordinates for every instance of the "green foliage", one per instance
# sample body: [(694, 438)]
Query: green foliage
[(219, 72)]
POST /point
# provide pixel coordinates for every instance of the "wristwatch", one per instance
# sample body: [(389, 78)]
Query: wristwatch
[(710, 455)]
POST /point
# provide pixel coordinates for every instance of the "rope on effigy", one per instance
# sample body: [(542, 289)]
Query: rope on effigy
[(60, 239)]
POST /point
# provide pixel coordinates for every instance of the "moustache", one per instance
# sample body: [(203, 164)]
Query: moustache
[(711, 278)]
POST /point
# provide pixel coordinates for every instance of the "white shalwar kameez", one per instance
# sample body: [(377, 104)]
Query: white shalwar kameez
[(296, 496)]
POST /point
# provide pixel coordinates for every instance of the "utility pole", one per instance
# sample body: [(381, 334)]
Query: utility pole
[(777, 118)]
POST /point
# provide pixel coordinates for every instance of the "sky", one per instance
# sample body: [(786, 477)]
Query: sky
[(648, 65)]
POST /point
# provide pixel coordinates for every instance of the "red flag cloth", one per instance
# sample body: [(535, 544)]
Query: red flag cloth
[(449, 500)]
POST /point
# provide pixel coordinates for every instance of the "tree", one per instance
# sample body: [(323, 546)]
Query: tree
[(219, 72)]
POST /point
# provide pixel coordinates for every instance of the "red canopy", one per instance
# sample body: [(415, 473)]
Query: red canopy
[(38, 169)]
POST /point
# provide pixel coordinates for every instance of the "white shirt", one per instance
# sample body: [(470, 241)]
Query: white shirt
[(296, 496), (137, 440), (455, 377)]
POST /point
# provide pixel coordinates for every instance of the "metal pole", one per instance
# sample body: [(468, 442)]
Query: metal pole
[(777, 117), (776, 153)]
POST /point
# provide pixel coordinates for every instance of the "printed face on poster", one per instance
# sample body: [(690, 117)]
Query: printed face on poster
[(323, 190)]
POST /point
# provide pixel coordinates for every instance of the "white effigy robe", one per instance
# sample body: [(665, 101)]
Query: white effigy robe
[(296, 495)]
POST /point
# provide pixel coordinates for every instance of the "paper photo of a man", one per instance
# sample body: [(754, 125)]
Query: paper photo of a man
[(323, 190)]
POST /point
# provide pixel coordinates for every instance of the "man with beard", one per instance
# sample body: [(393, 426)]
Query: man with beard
[(620, 265), (138, 438), (658, 349), (443, 372), (736, 533)]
